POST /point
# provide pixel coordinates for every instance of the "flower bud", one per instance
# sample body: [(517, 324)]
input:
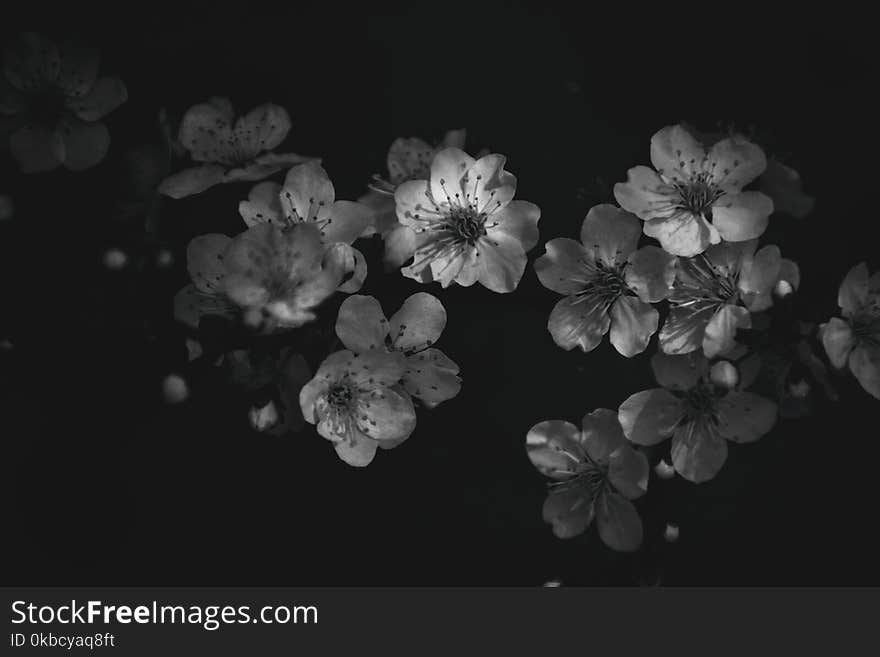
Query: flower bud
[(671, 533), (724, 374), (264, 418), (783, 289), (664, 470), (174, 389)]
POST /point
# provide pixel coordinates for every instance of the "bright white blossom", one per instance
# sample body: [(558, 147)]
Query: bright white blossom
[(413, 330), (609, 285), (229, 149), (693, 197), (854, 340), (56, 99), (468, 228), (357, 403), (308, 196)]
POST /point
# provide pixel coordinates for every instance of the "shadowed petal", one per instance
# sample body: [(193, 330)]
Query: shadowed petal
[(190, 305), (618, 522), (554, 448), (864, 361), (36, 148), (105, 95), (418, 324), (263, 205), (633, 322), (651, 273), (685, 327), (609, 234), (85, 144), (408, 159), (205, 261), (569, 509), (205, 131), (601, 435), (579, 322), (650, 416), (79, 68), (679, 372), (628, 472), (720, 334), (783, 185), (192, 181), (346, 220), (562, 267), (838, 339), (432, 377), (361, 324), (261, 129), (743, 417), (31, 62), (349, 263), (853, 293), (683, 233), (698, 453)]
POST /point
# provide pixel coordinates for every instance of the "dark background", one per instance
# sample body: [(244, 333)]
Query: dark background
[(106, 484)]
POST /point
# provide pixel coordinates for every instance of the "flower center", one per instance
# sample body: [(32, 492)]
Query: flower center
[(339, 395), (468, 224), (603, 281), (697, 196)]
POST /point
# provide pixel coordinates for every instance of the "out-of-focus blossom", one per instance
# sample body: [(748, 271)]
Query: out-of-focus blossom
[(430, 375), (229, 149), (784, 187), (467, 226), (408, 159), (699, 415), (715, 294), (357, 403), (7, 209), (671, 533), (693, 197), (264, 418), (308, 196), (854, 340), (596, 474), (115, 259), (174, 389), (608, 284), (56, 99)]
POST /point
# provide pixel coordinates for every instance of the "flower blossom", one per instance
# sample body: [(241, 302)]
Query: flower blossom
[(693, 198), (308, 196), (716, 292), (700, 415), (57, 100), (608, 283), (408, 159), (467, 226), (413, 330), (275, 278), (229, 149), (596, 474), (357, 403), (854, 340)]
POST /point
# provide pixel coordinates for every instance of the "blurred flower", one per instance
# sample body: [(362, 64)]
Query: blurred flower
[(115, 259), (264, 418), (7, 209), (784, 187), (230, 150), (408, 159), (596, 474), (204, 296), (553, 583), (193, 349), (308, 196), (467, 226), (699, 415), (357, 403), (609, 285), (57, 99), (715, 294), (671, 533), (413, 330), (854, 340), (174, 389), (695, 198)]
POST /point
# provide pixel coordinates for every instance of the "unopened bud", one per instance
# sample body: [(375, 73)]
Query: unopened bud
[(264, 418), (671, 533), (783, 289), (724, 374), (664, 470)]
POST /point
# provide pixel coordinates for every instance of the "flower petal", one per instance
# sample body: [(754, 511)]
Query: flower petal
[(649, 417), (720, 334), (569, 509), (307, 190), (783, 185), (679, 372), (448, 169), (609, 234), (646, 195), (263, 205), (349, 263), (487, 186), (191, 304), (85, 144), (206, 132), (383, 212), (838, 339), (205, 261), (579, 322), (36, 148), (346, 221), (79, 68), (633, 322), (562, 267), (105, 95), (601, 435), (650, 272), (618, 522), (735, 162), (682, 233), (853, 293), (432, 377), (358, 451), (412, 200), (31, 62), (502, 261), (864, 361), (554, 448), (676, 153), (361, 324), (742, 216), (261, 129), (192, 181), (685, 327), (418, 324), (519, 219), (698, 453), (743, 417), (377, 369), (758, 276), (409, 159), (400, 245), (388, 415), (790, 273), (628, 472)]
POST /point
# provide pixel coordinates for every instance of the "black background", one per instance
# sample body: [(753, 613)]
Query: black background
[(105, 484)]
